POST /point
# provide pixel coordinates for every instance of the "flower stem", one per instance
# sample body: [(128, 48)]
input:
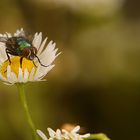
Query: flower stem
[(21, 90), (98, 136)]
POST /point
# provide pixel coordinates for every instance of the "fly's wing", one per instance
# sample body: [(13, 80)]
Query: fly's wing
[(19, 33), (28, 35), (25, 34), (3, 39)]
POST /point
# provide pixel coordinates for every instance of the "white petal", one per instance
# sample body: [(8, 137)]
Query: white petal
[(4, 35), (72, 136), (2, 44), (50, 58), (85, 135), (9, 35), (3, 55), (65, 131), (20, 75), (42, 46), (14, 77), (66, 136), (41, 134), (48, 55), (35, 34), (50, 47), (76, 129), (2, 78), (19, 33), (58, 134), (37, 40), (34, 39), (42, 72), (31, 76), (37, 72), (26, 75), (1, 35), (51, 132), (9, 78), (9, 84)]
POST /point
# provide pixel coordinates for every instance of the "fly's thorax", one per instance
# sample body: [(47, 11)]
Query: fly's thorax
[(23, 43), (24, 47)]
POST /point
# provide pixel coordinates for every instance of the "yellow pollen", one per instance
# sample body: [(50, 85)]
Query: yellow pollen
[(15, 65)]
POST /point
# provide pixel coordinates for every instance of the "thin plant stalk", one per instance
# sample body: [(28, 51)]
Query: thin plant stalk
[(98, 136), (26, 110)]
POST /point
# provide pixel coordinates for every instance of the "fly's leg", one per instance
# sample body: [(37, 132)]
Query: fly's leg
[(7, 53), (21, 58), (34, 64), (40, 62)]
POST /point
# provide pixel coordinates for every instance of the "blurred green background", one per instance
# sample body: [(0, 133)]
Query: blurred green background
[(96, 81)]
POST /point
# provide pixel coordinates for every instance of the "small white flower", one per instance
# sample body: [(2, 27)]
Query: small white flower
[(63, 134), (14, 73), (41, 134), (73, 134)]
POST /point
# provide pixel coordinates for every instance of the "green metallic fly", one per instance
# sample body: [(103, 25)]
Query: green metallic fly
[(20, 46)]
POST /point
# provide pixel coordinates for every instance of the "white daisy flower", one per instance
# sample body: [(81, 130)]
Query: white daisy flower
[(63, 134), (31, 69), (73, 134)]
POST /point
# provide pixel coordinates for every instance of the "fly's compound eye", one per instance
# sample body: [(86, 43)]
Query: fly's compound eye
[(34, 50)]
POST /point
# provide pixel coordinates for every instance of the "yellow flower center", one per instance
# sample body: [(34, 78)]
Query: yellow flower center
[(15, 64)]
